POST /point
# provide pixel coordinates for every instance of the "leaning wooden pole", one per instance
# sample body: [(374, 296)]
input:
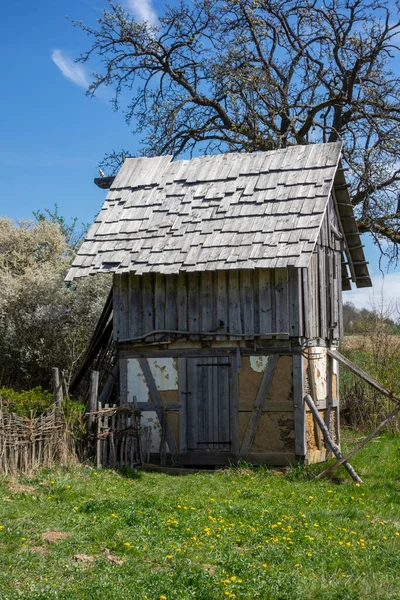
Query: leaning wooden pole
[(328, 440), (364, 442)]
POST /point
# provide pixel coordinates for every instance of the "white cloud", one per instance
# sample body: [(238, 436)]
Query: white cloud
[(142, 10), (70, 69), (385, 290)]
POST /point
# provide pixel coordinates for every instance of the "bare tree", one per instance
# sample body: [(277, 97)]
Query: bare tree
[(245, 75)]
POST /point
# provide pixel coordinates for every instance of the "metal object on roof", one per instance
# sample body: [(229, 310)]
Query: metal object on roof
[(229, 211)]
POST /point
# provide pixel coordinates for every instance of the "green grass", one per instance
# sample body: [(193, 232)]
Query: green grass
[(241, 533)]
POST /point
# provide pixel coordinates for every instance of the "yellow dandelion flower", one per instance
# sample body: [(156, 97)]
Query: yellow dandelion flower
[(162, 597)]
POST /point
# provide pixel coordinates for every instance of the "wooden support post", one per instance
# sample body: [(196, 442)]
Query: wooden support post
[(57, 388), (328, 439), (259, 405), (98, 440), (365, 441), (93, 393)]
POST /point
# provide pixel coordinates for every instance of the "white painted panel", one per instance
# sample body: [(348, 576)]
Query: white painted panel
[(136, 382), (165, 373), (258, 363), (150, 419)]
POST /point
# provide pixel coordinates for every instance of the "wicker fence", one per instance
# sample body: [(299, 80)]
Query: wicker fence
[(27, 443)]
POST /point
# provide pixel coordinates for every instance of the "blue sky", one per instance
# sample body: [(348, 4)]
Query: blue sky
[(53, 136)]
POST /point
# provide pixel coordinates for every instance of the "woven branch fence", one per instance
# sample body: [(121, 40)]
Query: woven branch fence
[(27, 443)]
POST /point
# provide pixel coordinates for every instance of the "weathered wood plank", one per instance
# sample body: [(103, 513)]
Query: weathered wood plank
[(206, 296), (182, 298), (194, 321), (281, 301), (182, 388), (295, 316), (159, 300), (265, 301), (171, 314), (158, 404), (147, 302), (247, 302), (259, 405), (124, 305), (135, 305), (234, 405), (222, 319), (234, 305)]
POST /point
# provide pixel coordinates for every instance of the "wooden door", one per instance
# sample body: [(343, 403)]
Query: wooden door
[(208, 404)]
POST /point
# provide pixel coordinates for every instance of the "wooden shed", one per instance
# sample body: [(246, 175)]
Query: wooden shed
[(228, 277)]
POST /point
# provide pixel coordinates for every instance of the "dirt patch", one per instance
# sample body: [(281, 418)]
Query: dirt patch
[(40, 550), (19, 488), (84, 558), (51, 537), (209, 569), (113, 559)]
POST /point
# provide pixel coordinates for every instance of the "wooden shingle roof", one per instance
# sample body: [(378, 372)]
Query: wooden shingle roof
[(230, 211)]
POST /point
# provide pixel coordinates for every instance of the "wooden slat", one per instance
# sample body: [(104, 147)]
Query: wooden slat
[(182, 297), (192, 399), (171, 315), (117, 315), (247, 302), (156, 399), (206, 296), (322, 291), (147, 302), (295, 316), (259, 405), (222, 318), (234, 305), (159, 301), (193, 302), (182, 387), (234, 405), (135, 305), (265, 301), (281, 301), (124, 305)]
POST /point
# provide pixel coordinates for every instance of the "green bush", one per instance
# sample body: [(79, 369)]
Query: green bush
[(36, 399)]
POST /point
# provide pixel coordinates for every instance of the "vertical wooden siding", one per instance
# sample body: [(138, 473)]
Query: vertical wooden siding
[(322, 283), (227, 303)]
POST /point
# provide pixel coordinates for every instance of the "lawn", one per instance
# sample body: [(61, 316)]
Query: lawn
[(239, 533)]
